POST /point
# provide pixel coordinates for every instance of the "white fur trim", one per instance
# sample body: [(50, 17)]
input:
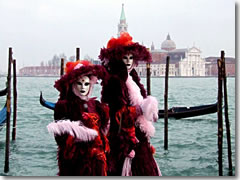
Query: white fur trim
[(134, 92), (74, 128), (145, 126), (149, 107)]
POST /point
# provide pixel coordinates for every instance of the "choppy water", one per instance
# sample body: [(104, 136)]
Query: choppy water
[(192, 148)]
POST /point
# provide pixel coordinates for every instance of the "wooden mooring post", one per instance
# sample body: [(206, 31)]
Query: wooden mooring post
[(220, 120), (148, 65), (6, 166), (227, 123), (77, 54), (166, 105), (14, 101), (62, 67)]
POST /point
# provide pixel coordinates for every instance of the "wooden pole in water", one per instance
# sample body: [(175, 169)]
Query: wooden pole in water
[(148, 69), (14, 101), (220, 120), (166, 105), (148, 79), (228, 133), (77, 54), (6, 166), (62, 67)]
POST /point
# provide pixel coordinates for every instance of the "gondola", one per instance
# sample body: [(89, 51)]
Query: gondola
[(174, 112), (46, 104), (3, 115), (3, 92), (185, 112)]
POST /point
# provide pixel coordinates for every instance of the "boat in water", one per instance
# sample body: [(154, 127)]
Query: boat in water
[(174, 112), (185, 112), (3, 92), (46, 104)]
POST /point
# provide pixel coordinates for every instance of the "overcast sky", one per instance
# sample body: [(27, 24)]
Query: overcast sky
[(38, 29)]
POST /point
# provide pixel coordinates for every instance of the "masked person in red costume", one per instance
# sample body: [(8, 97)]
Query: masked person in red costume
[(131, 110), (81, 123)]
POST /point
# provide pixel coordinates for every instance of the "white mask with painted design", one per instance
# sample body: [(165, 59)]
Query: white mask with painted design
[(83, 85), (128, 60)]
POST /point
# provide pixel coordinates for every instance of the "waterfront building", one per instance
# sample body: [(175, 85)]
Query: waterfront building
[(183, 61), (156, 69), (44, 70), (40, 71), (212, 69)]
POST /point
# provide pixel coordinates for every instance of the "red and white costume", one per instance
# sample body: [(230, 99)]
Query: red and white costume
[(131, 110), (81, 124)]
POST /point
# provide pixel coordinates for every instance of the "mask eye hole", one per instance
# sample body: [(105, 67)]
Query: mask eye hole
[(86, 84), (124, 57), (79, 83), (131, 57)]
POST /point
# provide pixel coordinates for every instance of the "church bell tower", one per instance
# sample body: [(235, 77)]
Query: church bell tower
[(122, 26)]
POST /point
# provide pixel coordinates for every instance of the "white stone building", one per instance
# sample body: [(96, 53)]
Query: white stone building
[(183, 62), (156, 69), (192, 64)]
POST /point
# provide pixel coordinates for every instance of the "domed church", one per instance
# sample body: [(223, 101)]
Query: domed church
[(183, 62), (168, 44)]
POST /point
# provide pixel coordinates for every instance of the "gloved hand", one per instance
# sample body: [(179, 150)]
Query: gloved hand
[(131, 154)]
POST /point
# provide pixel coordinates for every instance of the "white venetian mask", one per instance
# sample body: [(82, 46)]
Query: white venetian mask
[(128, 60), (83, 85)]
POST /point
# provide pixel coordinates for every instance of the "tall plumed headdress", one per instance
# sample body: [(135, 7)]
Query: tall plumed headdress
[(118, 47), (77, 69)]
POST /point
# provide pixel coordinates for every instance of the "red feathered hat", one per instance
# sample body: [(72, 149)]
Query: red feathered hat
[(74, 70), (118, 47), (124, 40), (75, 65)]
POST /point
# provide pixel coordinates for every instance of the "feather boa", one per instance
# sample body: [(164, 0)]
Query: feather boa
[(134, 92), (148, 105), (150, 108), (145, 126), (74, 128)]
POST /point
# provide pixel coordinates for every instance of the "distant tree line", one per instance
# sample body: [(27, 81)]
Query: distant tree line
[(56, 60)]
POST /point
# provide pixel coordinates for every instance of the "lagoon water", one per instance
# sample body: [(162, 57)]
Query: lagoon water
[(192, 148)]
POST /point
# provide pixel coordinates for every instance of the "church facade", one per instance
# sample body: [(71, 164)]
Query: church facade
[(192, 64), (183, 62)]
